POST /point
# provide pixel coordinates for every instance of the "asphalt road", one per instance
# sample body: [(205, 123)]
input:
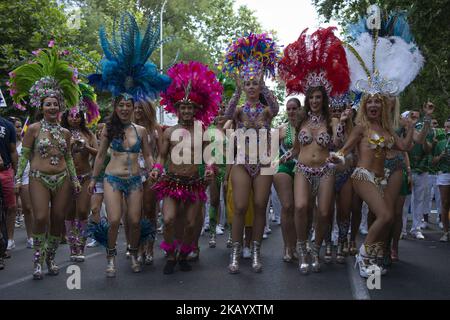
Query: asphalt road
[(422, 273)]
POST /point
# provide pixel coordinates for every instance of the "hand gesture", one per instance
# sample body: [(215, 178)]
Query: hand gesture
[(154, 175), (429, 108)]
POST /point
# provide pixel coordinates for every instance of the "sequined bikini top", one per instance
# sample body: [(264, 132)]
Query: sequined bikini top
[(377, 141), (117, 144), (57, 142), (323, 139)]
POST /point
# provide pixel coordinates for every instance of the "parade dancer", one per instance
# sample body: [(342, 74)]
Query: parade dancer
[(374, 134), (49, 84), (315, 65), (130, 77), (252, 56), (194, 95), (83, 147)]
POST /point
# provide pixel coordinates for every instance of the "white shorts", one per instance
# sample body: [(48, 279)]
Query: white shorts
[(98, 187), (443, 179)]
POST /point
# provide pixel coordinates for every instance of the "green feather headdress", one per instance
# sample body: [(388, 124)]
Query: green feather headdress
[(47, 75)]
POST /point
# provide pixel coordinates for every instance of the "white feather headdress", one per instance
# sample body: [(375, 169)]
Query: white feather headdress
[(384, 65)]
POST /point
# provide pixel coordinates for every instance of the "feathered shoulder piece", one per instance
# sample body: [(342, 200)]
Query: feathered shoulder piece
[(315, 60), (46, 75), (252, 55), (195, 83), (125, 68), (382, 56)]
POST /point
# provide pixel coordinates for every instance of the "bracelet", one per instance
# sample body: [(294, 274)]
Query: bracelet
[(158, 167), (75, 180)]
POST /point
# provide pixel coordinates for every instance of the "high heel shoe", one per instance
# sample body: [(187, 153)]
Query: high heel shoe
[(39, 255), (328, 253), (53, 243), (340, 257), (345, 249), (233, 267), (135, 264), (229, 240), (303, 265), (352, 249), (288, 255), (212, 240), (394, 255), (315, 264), (111, 262), (256, 257)]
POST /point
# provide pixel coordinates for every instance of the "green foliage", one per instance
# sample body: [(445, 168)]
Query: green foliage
[(431, 28), (201, 30)]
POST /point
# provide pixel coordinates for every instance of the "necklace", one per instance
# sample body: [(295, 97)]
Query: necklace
[(288, 138), (251, 113), (314, 122)]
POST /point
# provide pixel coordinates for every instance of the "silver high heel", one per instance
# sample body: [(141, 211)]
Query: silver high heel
[(256, 257), (233, 267), (315, 265), (340, 256), (111, 265), (328, 253), (135, 264), (302, 252)]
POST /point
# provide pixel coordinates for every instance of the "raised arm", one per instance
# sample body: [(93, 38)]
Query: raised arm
[(271, 100), (405, 144)]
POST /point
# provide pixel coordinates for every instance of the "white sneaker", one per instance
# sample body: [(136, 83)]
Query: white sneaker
[(441, 225), (92, 244), (265, 236), (206, 228), (424, 225), (246, 253), (403, 235), (30, 243), (444, 237), (418, 235), (11, 245), (267, 230), (219, 230)]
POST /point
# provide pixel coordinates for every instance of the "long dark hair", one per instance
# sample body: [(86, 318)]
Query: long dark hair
[(65, 122), (325, 108), (115, 127)]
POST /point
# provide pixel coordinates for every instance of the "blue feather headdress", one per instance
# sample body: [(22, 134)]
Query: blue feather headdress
[(393, 25), (125, 69)]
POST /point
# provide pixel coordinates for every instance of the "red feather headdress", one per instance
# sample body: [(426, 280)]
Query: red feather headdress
[(313, 61)]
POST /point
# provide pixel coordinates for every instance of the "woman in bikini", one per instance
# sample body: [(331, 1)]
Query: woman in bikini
[(83, 147)]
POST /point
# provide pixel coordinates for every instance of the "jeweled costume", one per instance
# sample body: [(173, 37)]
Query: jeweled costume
[(192, 83), (127, 71), (47, 75)]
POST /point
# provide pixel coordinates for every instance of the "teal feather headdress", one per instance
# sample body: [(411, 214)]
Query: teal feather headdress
[(125, 69)]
